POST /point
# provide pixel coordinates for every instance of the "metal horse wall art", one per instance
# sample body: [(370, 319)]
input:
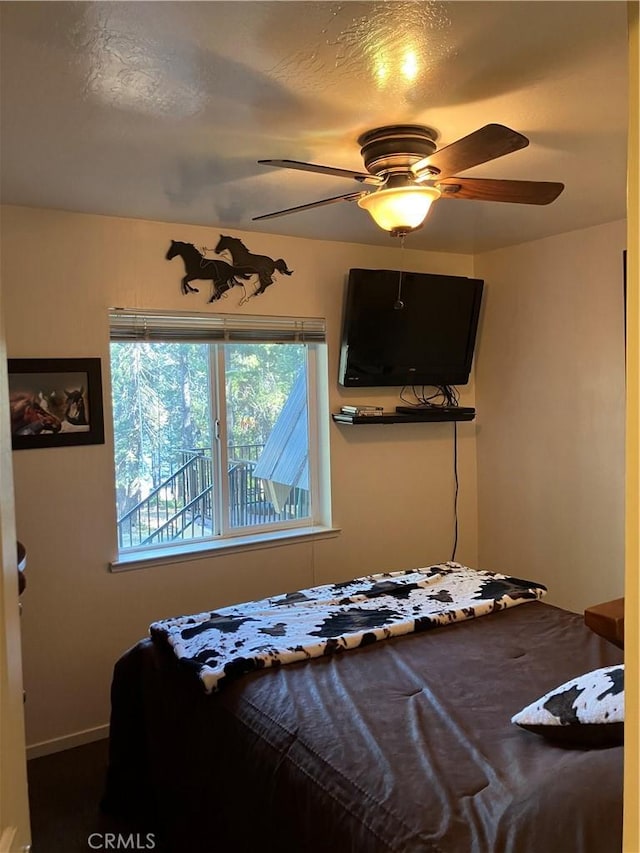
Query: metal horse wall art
[(261, 265), (221, 274), (244, 265)]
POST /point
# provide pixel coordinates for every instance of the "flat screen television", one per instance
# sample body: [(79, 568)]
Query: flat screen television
[(408, 328)]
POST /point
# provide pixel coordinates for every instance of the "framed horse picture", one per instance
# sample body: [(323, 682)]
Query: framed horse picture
[(55, 402)]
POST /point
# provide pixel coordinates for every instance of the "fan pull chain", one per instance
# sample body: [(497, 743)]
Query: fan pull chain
[(399, 304)]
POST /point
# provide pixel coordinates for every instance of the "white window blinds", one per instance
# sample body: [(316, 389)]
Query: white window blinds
[(148, 325)]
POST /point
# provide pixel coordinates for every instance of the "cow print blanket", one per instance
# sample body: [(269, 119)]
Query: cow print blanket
[(222, 644)]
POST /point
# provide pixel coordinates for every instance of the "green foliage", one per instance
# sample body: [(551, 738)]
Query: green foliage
[(259, 378), (162, 408)]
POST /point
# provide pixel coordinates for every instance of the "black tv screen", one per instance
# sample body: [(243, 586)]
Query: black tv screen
[(408, 328)]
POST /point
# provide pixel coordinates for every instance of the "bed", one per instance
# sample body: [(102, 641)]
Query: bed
[(404, 745)]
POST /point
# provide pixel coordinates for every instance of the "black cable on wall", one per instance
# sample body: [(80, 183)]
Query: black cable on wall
[(455, 495)]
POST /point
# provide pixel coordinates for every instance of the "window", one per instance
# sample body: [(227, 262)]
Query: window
[(215, 428)]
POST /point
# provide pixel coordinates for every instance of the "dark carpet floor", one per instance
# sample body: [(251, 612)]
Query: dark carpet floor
[(64, 797)]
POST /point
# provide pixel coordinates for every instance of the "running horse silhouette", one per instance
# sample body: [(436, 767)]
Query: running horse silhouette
[(261, 265), (222, 275)]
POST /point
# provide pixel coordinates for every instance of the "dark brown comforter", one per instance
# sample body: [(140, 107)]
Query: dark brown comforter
[(405, 745)]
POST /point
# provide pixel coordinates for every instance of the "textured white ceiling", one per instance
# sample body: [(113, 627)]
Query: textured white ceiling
[(160, 110)]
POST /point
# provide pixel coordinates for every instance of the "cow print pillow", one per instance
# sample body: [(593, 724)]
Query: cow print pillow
[(585, 712)]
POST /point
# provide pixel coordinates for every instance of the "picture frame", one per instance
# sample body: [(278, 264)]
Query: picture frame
[(55, 402)]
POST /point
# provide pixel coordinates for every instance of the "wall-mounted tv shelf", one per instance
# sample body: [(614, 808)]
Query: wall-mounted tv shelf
[(430, 416)]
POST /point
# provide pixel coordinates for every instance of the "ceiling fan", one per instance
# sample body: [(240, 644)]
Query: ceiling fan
[(408, 173)]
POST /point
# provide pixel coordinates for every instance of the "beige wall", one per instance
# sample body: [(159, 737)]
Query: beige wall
[(392, 485), (550, 428)]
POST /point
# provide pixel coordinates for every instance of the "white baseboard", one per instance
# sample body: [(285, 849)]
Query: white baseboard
[(58, 744)]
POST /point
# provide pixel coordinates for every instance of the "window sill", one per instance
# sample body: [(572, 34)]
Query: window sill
[(205, 550)]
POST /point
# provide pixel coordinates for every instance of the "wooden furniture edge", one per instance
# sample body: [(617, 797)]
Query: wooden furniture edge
[(607, 620)]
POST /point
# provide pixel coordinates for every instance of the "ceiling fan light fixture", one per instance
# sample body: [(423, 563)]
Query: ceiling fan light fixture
[(400, 209)]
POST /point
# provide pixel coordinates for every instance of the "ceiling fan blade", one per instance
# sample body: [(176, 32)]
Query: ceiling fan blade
[(488, 189), (363, 177), (487, 143), (347, 197)]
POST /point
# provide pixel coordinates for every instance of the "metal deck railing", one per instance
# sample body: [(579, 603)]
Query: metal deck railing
[(181, 506)]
